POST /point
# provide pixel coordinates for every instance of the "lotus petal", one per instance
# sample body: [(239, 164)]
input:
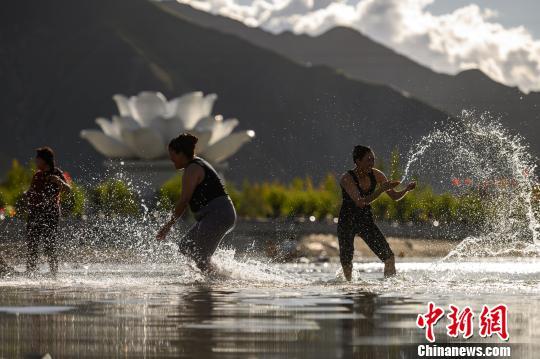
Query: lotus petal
[(148, 121), (122, 103), (223, 129), (208, 104), (191, 107), (204, 140), (227, 147), (172, 104), (123, 123), (146, 143), (106, 145), (118, 124), (185, 108), (147, 106), (207, 123), (168, 128), (108, 127), (215, 124)]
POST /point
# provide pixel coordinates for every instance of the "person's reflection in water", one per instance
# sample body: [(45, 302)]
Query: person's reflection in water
[(197, 307), (372, 336), (351, 329)]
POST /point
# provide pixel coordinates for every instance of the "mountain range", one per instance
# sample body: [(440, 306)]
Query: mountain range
[(61, 61), (360, 58)]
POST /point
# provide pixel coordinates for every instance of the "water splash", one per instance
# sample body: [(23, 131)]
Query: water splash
[(475, 154), (110, 251)]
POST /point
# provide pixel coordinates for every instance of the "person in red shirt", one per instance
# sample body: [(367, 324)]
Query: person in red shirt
[(43, 200)]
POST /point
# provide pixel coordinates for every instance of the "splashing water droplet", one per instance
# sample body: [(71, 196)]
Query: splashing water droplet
[(476, 154)]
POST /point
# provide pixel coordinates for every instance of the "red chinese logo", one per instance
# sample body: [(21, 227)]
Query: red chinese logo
[(460, 322), (429, 320), (491, 321), (494, 321)]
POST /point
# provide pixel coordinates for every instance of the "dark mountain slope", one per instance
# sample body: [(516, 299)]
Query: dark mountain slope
[(359, 57), (72, 56)]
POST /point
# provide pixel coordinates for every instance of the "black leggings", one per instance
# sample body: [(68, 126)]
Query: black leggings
[(42, 230), (214, 221), (363, 225)]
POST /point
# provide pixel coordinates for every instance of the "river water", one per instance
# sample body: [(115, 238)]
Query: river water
[(153, 304), (258, 309)]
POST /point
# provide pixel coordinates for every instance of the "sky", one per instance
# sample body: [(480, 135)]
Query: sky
[(499, 37)]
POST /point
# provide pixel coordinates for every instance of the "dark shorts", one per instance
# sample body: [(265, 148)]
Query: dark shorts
[(214, 221), (350, 225)]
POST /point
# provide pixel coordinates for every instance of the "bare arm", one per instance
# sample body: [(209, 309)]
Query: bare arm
[(392, 193), (191, 178), (397, 195), (378, 191), (350, 187), (60, 181)]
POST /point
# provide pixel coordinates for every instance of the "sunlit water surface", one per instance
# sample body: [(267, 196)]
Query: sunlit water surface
[(257, 309), (159, 306)]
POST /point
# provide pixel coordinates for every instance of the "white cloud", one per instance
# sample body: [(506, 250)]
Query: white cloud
[(468, 37)]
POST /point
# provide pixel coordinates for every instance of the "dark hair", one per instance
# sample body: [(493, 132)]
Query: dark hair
[(185, 143), (359, 152), (47, 155)]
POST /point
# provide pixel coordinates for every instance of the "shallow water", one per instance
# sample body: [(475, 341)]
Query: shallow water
[(256, 309)]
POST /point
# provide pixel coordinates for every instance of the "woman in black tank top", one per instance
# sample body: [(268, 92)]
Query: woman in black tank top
[(359, 189), (209, 188), (204, 192)]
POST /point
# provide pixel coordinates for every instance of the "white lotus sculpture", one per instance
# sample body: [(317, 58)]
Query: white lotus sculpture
[(147, 122)]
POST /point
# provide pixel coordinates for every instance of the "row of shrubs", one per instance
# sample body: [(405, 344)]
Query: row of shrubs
[(111, 196), (300, 198)]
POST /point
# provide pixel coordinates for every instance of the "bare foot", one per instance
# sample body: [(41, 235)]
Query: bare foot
[(347, 271), (390, 267), (212, 271)]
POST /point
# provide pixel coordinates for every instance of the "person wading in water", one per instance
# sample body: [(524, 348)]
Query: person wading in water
[(359, 189), (212, 207), (43, 203)]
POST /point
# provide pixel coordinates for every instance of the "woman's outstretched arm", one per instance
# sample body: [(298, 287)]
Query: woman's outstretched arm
[(397, 195), (384, 187), (349, 185), (61, 182), (191, 178), (392, 193)]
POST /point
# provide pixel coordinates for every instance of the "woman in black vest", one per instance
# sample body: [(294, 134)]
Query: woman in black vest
[(359, 189), (203, 191)]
